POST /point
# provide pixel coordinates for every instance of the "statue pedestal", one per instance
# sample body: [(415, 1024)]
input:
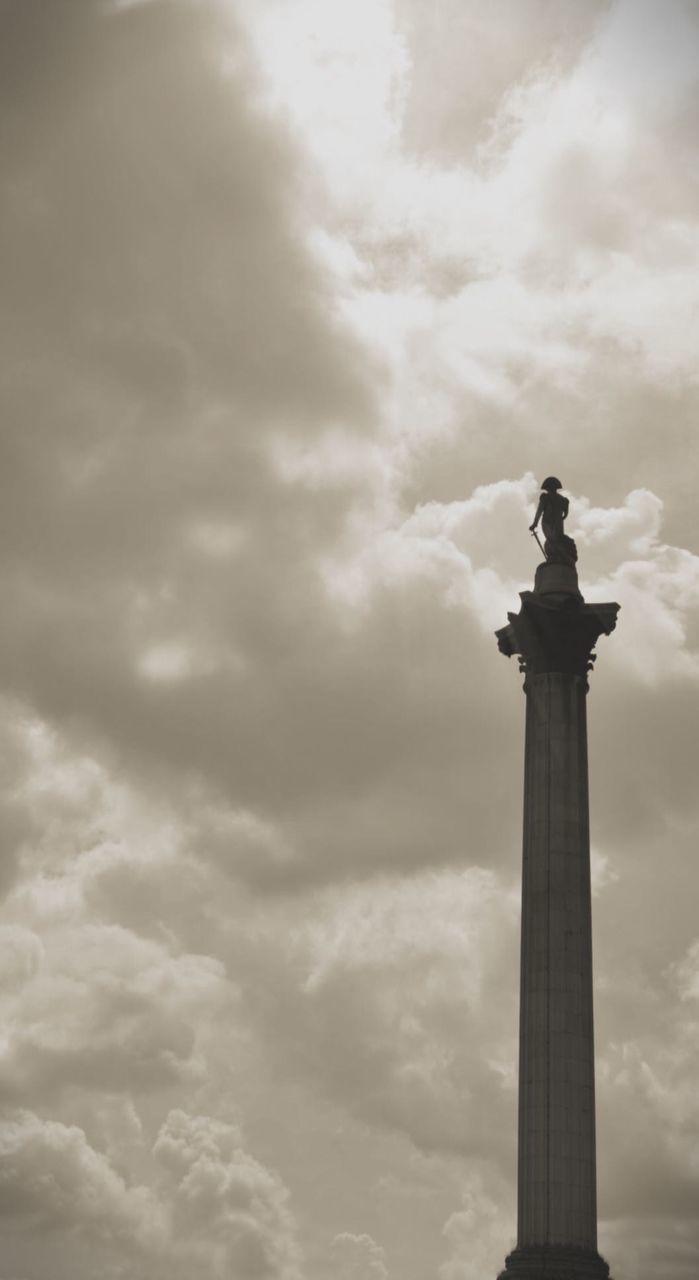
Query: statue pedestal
[(556, 579)]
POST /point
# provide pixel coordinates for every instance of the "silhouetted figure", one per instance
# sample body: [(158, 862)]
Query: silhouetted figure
[(552, 511)]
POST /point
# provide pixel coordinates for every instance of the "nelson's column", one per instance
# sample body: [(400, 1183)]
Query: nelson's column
[(554, 634)]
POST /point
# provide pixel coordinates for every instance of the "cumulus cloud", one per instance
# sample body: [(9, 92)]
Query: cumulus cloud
[(108, 1010), (214, 1208), (358, 1258), (228, 1210), (53, 1183)]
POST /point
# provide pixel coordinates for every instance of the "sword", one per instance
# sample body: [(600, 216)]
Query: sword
[(535, 535)]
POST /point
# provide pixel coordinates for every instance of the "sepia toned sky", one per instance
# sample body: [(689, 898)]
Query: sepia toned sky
[(301, 300)]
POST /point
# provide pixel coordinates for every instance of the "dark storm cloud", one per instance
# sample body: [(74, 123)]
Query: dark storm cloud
[(157, 302), (152, 218), (165, 323)]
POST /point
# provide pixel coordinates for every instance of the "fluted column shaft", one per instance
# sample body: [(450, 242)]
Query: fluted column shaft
[(556, 1166)]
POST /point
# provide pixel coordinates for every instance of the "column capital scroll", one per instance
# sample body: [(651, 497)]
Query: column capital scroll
[(556, 633)]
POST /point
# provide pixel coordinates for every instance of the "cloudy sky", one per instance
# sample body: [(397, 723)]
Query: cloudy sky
[(300, 300)]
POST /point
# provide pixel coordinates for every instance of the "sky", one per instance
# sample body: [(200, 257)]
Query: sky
[(301, 301)]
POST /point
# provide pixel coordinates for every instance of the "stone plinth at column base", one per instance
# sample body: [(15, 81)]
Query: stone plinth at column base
[(554, 1262)]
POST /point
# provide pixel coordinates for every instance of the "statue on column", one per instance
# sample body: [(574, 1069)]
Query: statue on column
[(552, 511)]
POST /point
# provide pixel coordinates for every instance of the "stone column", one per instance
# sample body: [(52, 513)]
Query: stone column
[(554, 634)]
